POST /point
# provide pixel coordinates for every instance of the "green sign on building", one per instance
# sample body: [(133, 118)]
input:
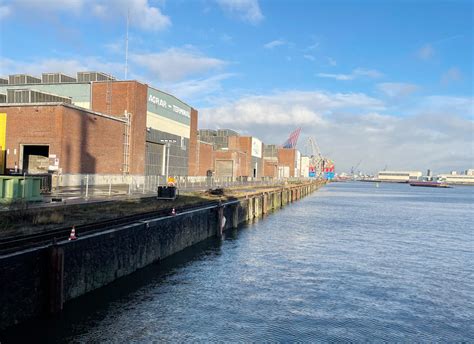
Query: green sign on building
[(165, 105)]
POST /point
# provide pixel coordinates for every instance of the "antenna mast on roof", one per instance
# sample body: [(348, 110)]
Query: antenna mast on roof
[(126, 45)]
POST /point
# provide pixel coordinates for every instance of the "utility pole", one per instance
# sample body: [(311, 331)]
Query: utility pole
[(126, 44)]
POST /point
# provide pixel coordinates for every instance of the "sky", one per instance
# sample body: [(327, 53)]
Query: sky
[(377, 84)]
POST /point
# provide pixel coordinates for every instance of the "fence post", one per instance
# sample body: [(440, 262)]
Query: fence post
[(110, 187), (129, 185), (24, 184), (87, 186)]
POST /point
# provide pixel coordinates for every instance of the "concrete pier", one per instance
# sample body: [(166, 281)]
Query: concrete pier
[(38, 281)]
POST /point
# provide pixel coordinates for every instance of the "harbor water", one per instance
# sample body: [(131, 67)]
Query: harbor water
[(351, 262)]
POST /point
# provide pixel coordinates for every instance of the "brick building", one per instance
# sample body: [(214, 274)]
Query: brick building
[(154, 124), (286, 162), (201, 158), (75, 140), (270, 168), (253, 149), (231, 164)]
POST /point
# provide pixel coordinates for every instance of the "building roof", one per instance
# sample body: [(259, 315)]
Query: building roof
[(71, 106)]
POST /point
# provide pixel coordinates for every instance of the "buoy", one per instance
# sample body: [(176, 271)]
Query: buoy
[(173, 211), (72, 236)]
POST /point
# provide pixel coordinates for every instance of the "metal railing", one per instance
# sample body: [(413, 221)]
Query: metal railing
[(106, 186)]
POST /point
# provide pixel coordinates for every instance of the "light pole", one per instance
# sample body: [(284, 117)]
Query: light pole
[(168, 143)]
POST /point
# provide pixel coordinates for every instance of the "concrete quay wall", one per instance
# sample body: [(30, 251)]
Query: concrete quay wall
[(38, 281)]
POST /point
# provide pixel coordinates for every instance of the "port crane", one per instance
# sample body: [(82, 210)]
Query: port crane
[(353, 169), (316, 159)]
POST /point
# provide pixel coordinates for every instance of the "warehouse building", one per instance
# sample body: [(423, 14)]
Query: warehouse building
[(218, 138), (201, 159), (305, 162), (153, 137), (57, 84), (289, 162), (270, 161), (398, 176), (160, 125), (454, 178), (63, 138), (253, 149), (231, 164)]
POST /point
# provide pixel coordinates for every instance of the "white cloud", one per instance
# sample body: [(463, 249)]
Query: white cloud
[(371, 73), (331, 61), (351, 127), (336, 76), (426, 52), (397, 89), (4, 11), (287, 108), (195, 88), (66, 66), (225, 38), (247, 10), (274, 44), (309, 57), (142, 15), (313, 46), (74, 6), (453, 74), (355, 74), (176, 64), (462, 106)]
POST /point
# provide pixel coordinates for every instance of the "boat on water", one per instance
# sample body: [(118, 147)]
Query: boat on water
[(430, 183)]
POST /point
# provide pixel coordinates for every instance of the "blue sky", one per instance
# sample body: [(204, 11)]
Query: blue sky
[(386, 82)]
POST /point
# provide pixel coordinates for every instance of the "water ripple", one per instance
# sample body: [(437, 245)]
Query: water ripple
[(350, 263)]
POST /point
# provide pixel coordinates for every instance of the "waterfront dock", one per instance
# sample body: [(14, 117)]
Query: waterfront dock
[(42, 275)]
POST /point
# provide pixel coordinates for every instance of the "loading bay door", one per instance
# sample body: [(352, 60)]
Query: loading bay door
[(34, 159)]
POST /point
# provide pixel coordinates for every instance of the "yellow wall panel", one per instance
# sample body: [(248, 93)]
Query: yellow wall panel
[(168, 126), (3, 140)]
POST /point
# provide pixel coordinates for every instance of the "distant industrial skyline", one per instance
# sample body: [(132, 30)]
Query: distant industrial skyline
[(389, 83)]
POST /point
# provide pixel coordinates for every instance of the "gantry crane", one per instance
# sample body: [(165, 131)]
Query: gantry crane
[(316, 159)]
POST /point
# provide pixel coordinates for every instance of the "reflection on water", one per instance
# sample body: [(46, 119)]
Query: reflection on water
[(350, 262)]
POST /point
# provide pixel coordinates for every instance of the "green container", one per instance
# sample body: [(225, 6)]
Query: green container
[(14, 188)]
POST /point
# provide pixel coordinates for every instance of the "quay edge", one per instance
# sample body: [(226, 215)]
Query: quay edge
[(38, 281)]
